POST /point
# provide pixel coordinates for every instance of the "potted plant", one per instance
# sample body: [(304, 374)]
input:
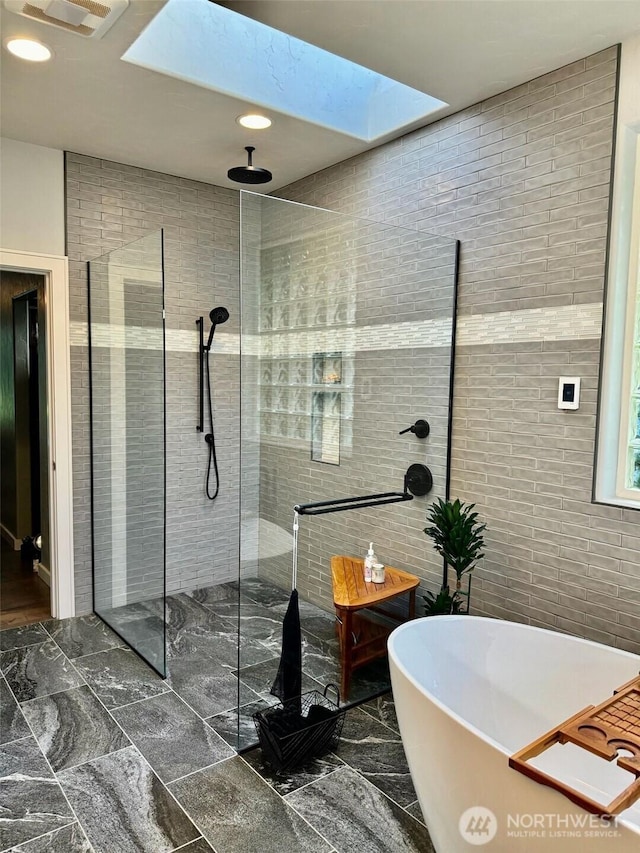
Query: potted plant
[(457, 537)]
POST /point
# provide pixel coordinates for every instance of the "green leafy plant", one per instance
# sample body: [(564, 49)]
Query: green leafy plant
[(457, 537), (442, 604)]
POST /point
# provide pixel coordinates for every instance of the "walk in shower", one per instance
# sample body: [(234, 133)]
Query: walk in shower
[(347, 334), (343, 340), (128, 488)]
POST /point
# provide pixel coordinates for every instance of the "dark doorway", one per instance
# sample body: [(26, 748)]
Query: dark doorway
[(24, 595)]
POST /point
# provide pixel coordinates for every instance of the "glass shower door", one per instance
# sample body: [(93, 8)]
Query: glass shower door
[(127, 393)]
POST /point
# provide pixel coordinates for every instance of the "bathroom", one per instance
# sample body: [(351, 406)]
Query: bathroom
[(523, 180)]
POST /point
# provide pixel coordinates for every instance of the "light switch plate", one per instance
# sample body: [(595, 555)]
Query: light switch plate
[(569, 392)]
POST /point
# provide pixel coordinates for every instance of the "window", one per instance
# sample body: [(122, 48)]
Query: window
[(617, 479)]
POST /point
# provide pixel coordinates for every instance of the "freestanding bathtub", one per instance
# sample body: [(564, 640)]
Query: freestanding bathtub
[(469, 692)]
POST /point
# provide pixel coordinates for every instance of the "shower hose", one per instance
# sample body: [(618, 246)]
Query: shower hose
[(210, 438)]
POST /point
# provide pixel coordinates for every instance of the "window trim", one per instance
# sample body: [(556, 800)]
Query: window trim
[(618, 326), (631, 339)]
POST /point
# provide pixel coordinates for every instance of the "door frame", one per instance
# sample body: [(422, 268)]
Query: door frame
[(55, 269)]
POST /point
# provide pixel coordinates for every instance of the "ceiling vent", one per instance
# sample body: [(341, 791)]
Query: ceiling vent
[(87, 18)]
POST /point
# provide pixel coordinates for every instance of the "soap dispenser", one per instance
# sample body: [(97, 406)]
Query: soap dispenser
[(369, 560)]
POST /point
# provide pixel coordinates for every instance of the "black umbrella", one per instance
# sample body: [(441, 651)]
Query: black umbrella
[(288, 682)]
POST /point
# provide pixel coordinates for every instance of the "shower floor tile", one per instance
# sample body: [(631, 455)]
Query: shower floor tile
[(173, 739), (263, 593), (122, 804), (209, 689), (260, 678)]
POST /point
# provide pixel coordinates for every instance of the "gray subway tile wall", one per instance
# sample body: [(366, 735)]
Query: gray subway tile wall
[(110, 205), (522, 179)]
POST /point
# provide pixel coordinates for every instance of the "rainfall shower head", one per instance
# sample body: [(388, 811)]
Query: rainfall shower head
[(249, 174), (216, 315)]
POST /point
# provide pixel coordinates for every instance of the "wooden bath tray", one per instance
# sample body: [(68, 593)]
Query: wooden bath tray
[(602, 730)]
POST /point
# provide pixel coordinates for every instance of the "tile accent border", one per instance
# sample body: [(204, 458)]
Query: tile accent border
[(565, 323)]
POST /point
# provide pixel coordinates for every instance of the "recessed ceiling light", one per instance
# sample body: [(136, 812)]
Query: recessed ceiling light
[(254, 121), (30, 49)]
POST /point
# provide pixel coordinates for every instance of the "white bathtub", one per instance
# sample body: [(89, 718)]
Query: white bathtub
[(471, 691)]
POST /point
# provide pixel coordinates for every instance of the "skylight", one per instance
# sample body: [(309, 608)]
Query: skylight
[(210, 46)]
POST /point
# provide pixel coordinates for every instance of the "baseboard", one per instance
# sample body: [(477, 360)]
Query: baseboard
[(44, 574), (8, 536)]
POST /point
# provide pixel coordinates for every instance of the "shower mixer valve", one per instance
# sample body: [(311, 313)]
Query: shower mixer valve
[(420, 429)]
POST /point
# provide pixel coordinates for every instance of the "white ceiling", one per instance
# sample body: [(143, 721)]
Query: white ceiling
[(461, 51)]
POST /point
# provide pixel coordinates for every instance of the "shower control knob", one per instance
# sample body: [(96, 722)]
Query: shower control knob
[(418, 480), (420, 429)]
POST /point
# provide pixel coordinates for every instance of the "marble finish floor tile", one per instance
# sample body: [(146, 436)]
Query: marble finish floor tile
[(236, 726), (183, 611), (72, 727), (209, 688), (173, 739), (377, 753), (263, 593), (218, 642), (368, 681), (69, 839), (37, 670), (355, 816), (26, 635), (260, 677), (218, 592), (256, 622), (239, 813), (415, 811), (12, 723), (383, 709), (291, 780), (82, 635), (119, 676), (32, 801), (198, 846), (313, 620), (123, 806)]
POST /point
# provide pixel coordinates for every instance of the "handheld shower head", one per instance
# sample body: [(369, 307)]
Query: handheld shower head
[(216, 315)]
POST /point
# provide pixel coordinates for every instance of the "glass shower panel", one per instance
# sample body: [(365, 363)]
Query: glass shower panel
[(347, 339), (127, 388)]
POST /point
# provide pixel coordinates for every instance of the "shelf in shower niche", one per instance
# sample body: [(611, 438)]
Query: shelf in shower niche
[(604, 730)]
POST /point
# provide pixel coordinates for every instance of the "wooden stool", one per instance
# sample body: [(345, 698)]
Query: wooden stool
[(361, 639)]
